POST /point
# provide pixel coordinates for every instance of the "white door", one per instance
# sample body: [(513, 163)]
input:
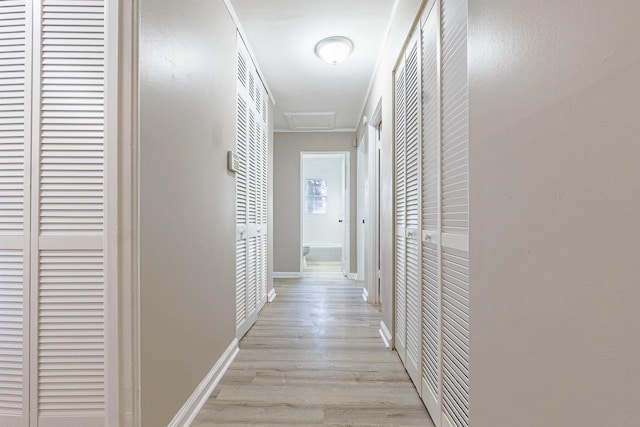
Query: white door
[(251, 192), (400, 213), (430, 383), (455, 214), (361, 208), (413, 209), (15, 146), (344, 221), (69, 174), (54, 172)]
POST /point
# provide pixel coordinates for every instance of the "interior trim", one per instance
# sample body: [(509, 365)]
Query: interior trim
[(196, 401)]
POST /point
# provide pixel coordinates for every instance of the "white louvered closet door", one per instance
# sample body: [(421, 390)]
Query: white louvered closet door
[(455, 214), (242, 137), (413, 218), (431, 214), (252, 258), (262, 211), (68, 300), (251, 193), (245, 200), (15, 66), (400, 213)]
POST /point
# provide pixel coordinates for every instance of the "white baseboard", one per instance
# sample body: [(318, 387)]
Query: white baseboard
[(287, 275), (196, 401), (385, 334), (352, 276), (272, 295), (365, 294)]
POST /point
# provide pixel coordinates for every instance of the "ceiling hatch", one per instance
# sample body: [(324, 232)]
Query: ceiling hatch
[(311, 121)]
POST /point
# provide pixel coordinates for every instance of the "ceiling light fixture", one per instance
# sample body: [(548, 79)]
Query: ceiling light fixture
[(334, 49)]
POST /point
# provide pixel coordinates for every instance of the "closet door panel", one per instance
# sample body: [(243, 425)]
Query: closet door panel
[(455, 214), (400, 214), (431, 214), (242, 142), (251, 192), (413, 184), (15, 64), (68, 216)]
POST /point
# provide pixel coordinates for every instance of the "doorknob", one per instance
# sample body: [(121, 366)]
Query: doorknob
[(340, 221)]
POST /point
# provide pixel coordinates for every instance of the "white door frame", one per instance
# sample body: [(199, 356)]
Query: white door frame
[(347, 203), (362, 209), (372, 255), (125, 133)]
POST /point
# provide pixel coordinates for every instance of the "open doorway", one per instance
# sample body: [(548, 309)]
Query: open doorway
[(324, 245)]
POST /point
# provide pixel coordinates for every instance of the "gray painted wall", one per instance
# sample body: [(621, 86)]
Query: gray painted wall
[(286, 178), (555, 213), (187, 198)]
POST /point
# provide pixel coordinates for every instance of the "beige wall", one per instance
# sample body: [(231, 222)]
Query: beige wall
[(383, 88), (187, 198), (555, 213), (286, 179)]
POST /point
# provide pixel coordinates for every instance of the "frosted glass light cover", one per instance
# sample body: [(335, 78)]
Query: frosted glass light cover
[(334, 49)]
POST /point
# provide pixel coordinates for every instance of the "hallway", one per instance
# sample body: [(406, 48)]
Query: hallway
[(314, 357)]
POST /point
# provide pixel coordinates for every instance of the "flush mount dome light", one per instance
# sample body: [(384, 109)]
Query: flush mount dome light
[(334, 49)]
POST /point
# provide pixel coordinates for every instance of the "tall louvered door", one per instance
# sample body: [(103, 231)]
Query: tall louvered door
[(242, 147), (251, 193), (430, 383), (245, 194), (400, 213), (413, 219), (455, 214), (68, 292), (15, 148), (261, 183)]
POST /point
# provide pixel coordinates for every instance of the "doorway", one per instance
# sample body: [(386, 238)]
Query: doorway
[(324, 212)]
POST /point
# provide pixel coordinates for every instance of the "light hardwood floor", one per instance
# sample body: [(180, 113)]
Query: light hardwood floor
[(314, 357)]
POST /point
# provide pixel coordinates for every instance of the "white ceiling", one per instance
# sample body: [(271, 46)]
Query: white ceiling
[(283, 34)]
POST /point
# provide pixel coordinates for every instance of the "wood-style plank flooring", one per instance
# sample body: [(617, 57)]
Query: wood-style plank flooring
[(314, 357)]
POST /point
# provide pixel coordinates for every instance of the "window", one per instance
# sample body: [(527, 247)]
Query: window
[(316, 196)]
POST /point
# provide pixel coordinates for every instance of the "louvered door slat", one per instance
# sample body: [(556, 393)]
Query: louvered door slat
[(241, 174), (13, 120), (455, 177), (430, 313), (71, 362), (400, 150), (401, 296), (69, 139), (252, 267), (252, 195), (264, 146), (12, 342), (241, 282)]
